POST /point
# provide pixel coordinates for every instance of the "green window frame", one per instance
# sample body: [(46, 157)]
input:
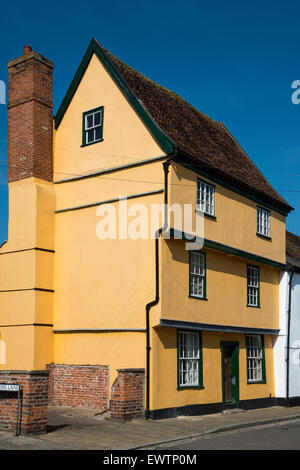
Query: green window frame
[(92, 126), (256, 362), (197, 274), (253, 286), (189, 359)]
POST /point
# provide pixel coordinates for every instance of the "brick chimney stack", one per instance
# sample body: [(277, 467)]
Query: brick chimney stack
[(30, 117)]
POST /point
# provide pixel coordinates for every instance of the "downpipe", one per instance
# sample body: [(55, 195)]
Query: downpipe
[(154, 302), (288, 339)]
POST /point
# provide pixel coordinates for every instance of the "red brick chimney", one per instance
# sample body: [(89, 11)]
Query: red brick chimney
[(30, 117)]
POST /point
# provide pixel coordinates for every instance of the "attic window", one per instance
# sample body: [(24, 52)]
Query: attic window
[(92, 126)]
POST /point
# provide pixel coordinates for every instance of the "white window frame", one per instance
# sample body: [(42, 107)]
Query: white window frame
[(94, 126), (205, 201), (197, 273), (189, 356), (255, 358), (253, 291), (263, 222)]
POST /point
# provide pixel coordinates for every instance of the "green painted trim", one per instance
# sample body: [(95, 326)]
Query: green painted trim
[(110, 170), (258, 292), (243, 254), (236, 186), (195, 326), (204, 285), (40, 289), (265, 237), (263, 361), (27, 249), (236, 359), (101, 109), (206, 215), (197, 298), (234, 363), (226, 249), (263, 381), (166, 144), (200, 363), (222, 374), (108, 201)]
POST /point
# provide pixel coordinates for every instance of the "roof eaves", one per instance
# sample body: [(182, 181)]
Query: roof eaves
[(233, 184)]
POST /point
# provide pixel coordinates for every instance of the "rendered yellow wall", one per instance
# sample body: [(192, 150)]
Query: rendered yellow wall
[(103, 284), (126, 182), (116, 349), (125, 137), (31, 207), (86, 272), (31, 225), (236, 216), (226, 290), (164, 392), (106, 284)]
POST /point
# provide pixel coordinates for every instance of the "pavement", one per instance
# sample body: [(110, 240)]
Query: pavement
[(86, 429)]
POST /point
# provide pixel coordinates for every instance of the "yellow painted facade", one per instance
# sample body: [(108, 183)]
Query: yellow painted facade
[(235, 223), (165, 392), (93, 292), (226, 290)]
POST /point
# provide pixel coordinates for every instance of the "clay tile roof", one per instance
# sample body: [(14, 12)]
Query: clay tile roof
[(292, 245), (198, 136)]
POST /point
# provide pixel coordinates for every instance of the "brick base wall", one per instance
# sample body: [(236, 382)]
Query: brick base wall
[(79, 385), (33, 403), (127, 396)]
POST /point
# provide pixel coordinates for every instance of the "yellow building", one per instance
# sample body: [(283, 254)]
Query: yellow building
[(80, 291)]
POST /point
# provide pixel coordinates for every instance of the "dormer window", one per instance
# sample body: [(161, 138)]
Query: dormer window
[(92, 126)]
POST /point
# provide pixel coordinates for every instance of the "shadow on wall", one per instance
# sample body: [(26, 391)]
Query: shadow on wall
[(234, 266)]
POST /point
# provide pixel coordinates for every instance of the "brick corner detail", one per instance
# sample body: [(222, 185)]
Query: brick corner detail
[(127, 395)]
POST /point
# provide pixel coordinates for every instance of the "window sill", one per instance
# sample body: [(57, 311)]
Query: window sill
[(190, 387), (265, 237), (92, 143), (256, 382), (253, 306), (206, 214), (198, 298)]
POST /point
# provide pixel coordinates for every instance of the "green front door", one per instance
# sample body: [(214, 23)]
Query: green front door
[(230, 372)]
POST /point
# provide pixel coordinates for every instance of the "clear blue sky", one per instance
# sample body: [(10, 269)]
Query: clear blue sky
[(235, 61)]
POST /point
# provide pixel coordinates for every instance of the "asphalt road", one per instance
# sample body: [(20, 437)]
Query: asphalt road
[(281, 436)]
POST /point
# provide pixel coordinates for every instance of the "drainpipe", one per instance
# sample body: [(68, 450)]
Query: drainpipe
[(288, 339), (154, 302)]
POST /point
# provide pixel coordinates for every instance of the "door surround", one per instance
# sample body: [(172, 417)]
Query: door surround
[(235, 364)]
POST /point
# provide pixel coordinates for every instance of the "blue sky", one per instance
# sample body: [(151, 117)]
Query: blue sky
[(235, 61)]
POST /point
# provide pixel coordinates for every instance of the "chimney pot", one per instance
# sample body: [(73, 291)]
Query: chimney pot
[(27, 50)]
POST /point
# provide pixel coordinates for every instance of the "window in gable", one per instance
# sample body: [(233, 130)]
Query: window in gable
[(92, 126)]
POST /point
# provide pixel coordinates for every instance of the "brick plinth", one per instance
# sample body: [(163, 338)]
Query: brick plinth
[(79, 385), (127, 397), (33, 403)]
